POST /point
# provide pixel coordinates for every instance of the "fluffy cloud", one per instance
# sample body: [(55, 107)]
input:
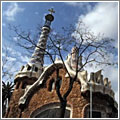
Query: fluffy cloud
[(12, 60), (12, 11), (25, 59), (103, 19), (84, 6), (15, 59), (14, 55)]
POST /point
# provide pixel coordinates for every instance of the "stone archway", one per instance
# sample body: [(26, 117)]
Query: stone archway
[(98, 111), (51, 110)]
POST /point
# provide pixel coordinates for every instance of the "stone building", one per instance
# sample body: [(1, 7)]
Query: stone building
[(35, 92)]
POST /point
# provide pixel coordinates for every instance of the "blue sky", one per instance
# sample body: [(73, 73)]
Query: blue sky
[(99, 16)]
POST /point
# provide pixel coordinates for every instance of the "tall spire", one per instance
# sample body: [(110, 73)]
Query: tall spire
[(36, 62), (38, 55)]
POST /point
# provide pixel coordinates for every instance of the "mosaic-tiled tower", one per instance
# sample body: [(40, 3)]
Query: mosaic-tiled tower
[(34, 67), (37, 58)]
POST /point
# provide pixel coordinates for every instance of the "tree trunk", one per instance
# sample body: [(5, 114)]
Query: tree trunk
[(62, 108)]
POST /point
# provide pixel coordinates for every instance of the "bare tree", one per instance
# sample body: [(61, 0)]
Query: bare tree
[(92, 49)]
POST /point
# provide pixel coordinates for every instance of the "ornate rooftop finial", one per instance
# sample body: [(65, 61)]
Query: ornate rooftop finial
[(49, 17), (51, 10)]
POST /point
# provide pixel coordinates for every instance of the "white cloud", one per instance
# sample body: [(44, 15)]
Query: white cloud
[(24, 58), (16, 39), (15, 60), (3, 54), (11, 59), (103, 19), (116, 96), (112, 74), (12, 11), (10, 50), (16, 55), (84, 6)]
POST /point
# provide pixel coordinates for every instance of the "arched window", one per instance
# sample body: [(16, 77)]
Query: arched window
[(51, 110), (98, 111), (28, 67), (36, 69), (17, 85), (51, 86), (60, 81), (24, 85)]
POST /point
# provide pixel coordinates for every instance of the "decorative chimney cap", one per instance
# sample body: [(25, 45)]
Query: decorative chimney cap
[(50, 17)]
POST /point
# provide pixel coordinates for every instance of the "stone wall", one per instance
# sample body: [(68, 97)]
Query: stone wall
[(13, 109)]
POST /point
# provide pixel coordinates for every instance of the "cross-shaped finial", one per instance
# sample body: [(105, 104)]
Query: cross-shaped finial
[(51, 10)]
